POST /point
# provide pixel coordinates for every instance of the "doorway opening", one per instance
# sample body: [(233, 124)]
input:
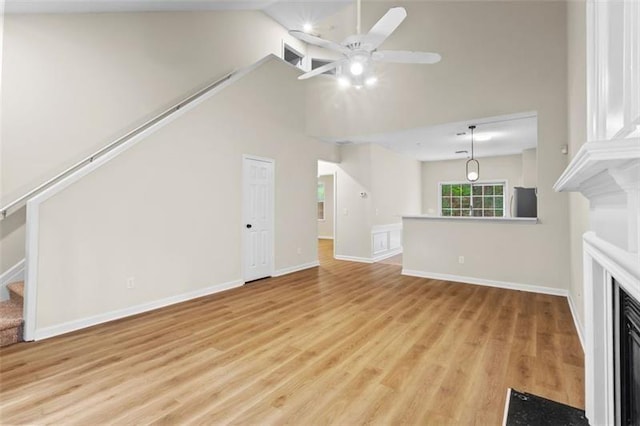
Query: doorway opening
[(326, 210)]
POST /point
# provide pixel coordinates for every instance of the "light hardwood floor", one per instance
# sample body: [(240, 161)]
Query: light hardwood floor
[(345, 343)]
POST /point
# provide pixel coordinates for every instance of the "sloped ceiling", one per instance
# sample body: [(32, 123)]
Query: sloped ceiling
[(291, 14)]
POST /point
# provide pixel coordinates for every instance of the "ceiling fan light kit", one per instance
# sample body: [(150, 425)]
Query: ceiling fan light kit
[(361, 50)]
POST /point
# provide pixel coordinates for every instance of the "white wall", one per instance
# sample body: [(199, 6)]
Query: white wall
[(503, 252), (353, 220), (577, 127), (530, 168), (325, 226), (396, 186), (2, 3), (392, 185), (508, 167), (74, 82), (158, 213), (498, 58)]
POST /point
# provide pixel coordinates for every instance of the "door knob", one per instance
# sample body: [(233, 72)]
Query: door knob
[(248, 226)]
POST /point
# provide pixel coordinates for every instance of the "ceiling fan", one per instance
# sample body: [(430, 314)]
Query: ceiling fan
[(361, 50)]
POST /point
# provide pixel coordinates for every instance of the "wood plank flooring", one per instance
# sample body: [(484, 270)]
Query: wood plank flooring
[(345, 343)]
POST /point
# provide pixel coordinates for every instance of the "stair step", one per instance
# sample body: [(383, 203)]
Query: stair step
[(16, 290), (11, 321)]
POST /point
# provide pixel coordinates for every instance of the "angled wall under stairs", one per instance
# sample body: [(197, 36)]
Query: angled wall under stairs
[(11, 315)]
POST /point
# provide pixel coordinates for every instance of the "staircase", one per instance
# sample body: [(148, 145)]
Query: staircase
[(11, 315)]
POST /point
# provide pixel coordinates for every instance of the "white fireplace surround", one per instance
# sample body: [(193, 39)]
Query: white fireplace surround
[(608, 174)]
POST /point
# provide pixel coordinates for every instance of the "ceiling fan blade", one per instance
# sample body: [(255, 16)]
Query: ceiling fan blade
[(317, 41), (385, 26), (321, 70), (406, 57)]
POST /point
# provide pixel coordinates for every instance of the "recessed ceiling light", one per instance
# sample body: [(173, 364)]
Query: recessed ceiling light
[(307, 27), (461, 134)]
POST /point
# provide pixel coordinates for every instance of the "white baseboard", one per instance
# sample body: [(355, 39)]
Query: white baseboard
[(490, 283), (291, 269), (576, 320), (322, 237), (387, 255), (505, 414), (353, 258), (378, 258), (74, 325), (13, 274)]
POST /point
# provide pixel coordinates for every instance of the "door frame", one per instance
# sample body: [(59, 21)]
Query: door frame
[(272, 198)]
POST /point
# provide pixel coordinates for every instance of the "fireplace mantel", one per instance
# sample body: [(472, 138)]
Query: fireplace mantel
[(608, 174)]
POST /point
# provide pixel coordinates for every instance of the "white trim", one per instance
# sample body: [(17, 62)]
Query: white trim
[(353, 258), (622, 265), (489, 283), (74, 325), (594, 158), (376, 229), (335, 211), (387, 255), (369, 259), (30, 305), (13, 274), (506, 407), (296, 268), (325, 237), (576, 321), (523, 220)]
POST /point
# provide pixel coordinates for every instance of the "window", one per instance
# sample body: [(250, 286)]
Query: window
[(477, 199), (320, 201)]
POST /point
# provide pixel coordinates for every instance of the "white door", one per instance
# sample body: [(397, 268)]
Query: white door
[(258, 218)]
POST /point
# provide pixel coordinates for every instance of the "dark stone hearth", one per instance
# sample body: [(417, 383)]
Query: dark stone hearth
[(532, 410)]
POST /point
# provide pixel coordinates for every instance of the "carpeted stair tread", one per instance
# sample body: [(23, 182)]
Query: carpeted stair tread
[(16, 288), (10, 315)]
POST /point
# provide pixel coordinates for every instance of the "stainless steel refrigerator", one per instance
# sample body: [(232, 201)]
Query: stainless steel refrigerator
[(524, 202)]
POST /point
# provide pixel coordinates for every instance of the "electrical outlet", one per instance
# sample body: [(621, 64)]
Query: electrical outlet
[(299, 250), (131, 282), (461, 259), (345, 212)]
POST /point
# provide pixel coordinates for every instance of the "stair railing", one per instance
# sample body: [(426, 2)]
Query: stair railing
[(14, 205)]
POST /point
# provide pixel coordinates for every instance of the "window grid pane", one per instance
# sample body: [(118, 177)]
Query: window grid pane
[(478, 200)]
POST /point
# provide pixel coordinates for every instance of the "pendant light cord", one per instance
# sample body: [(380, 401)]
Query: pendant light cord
[(472, 127)]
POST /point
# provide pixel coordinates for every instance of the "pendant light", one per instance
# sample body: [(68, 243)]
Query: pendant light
[(472, 167)]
